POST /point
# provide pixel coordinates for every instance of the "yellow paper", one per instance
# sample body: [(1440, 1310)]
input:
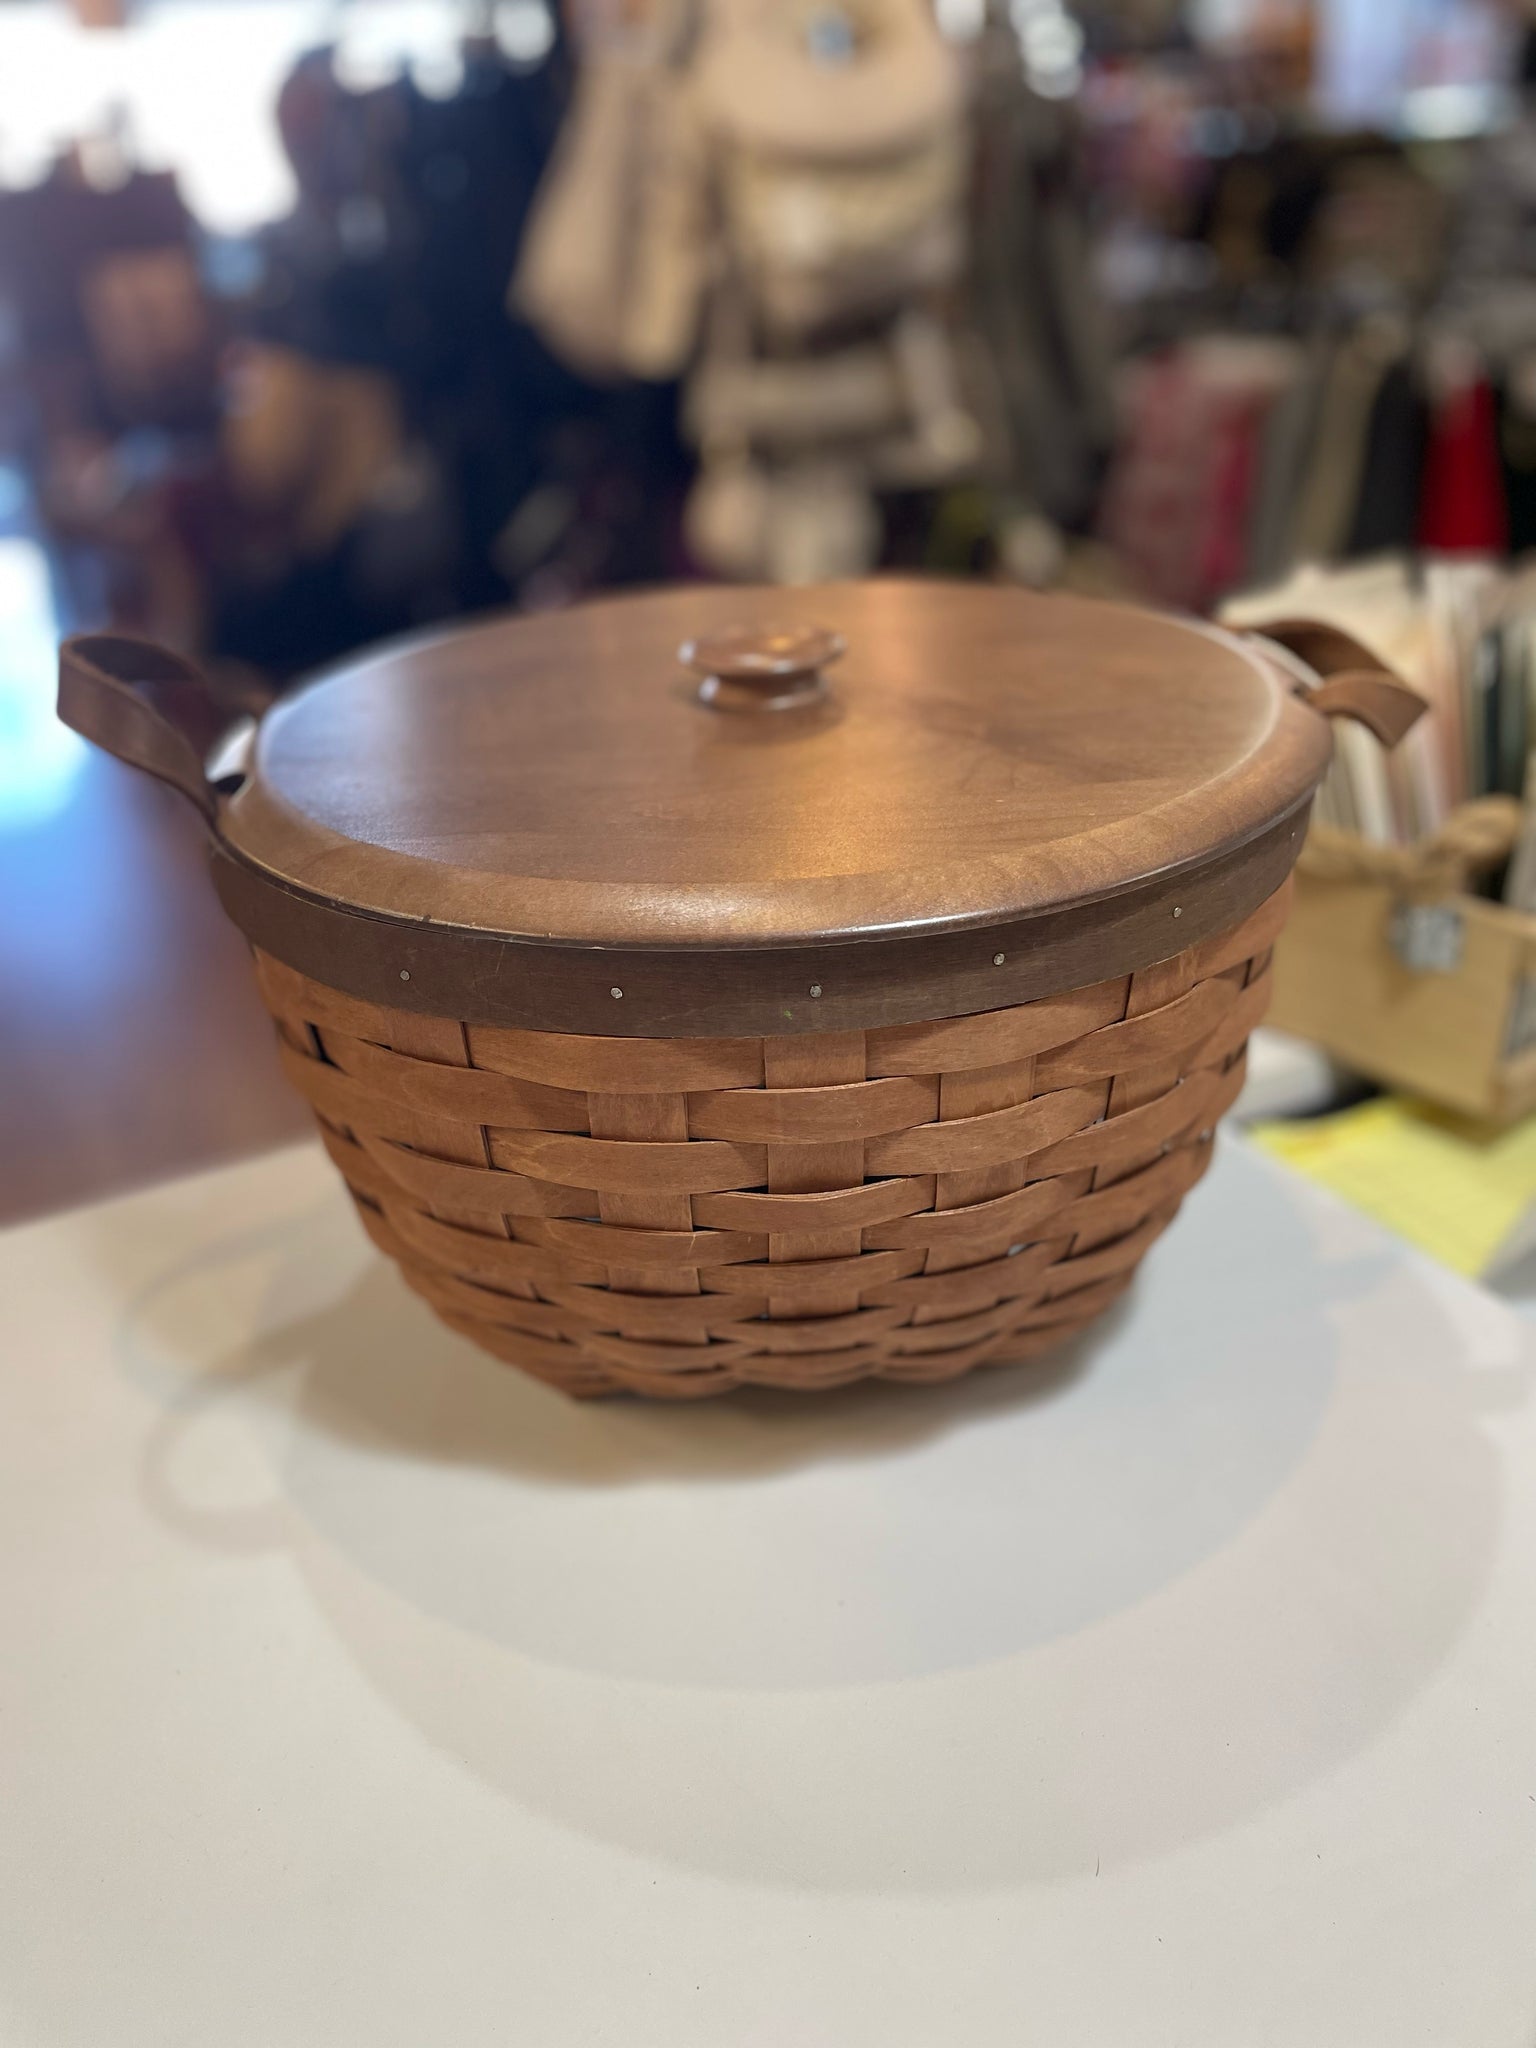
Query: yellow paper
[(1446, 1185)]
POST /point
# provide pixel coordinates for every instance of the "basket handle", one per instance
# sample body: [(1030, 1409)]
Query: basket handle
[(1354, 685), (145, 704)]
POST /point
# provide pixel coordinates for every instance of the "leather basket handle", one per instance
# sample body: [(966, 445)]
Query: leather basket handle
[(1354, 685), (145, 704)]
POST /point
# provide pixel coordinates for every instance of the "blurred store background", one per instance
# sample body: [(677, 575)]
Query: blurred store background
[(325, 322)]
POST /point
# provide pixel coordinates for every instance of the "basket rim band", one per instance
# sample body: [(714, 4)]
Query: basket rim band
[(722, 992)]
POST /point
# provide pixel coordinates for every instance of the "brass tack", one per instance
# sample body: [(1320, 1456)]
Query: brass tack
[(616, 993), (998, 959), (405, 974), (1177, 911), (815, 988)]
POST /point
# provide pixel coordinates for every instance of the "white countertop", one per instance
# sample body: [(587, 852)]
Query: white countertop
[(354, 1690)]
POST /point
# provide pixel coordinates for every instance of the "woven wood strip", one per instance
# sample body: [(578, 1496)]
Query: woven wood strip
[(1143, 1038), (993, 1139), (813, 1115), (1002, 1221), (956, 1043), (463, 1093), (479, 1194), (636, 1247), (657, 1315), (677, 1217), (634, 1165), (1167, 987), (877, 1201), (619, 1066)]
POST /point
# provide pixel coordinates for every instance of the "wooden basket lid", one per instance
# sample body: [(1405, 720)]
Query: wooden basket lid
[(883, 768)]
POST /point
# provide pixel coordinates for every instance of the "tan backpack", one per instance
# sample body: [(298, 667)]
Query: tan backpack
[(837, 141), (770, 195), (809, 159)]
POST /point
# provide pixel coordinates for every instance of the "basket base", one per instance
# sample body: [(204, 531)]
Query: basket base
[(584, 1378)]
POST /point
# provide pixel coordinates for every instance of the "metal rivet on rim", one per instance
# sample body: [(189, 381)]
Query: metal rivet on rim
[(815, 988), (616, 993), (998, 959), (1177, 911), (405, 974)]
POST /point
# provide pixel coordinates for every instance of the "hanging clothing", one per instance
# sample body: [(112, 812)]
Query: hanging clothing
[(1329, 488), (1392, 468), (612, 269), (1179, 498), (1461, 504), (1287, 438), (1046, 356), (1489, 290)]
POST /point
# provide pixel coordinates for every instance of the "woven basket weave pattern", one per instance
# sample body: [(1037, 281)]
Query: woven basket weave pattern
[(683, 1216)]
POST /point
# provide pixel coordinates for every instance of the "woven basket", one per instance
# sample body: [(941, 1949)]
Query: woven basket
[(684, 1018), (682, 1216)]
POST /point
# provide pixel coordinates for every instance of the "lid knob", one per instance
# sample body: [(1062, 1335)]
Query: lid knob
[(762, 668)]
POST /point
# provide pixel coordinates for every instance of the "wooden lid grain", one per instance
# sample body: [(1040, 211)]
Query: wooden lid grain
[(975, 756)]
